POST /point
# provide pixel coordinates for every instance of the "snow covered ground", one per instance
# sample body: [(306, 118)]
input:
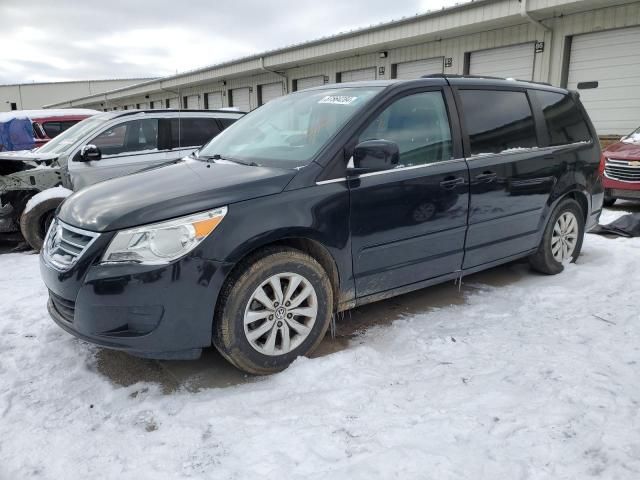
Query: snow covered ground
[(537, 379)]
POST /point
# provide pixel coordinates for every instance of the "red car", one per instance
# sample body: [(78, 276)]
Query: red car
[(29, 129), (620, 169)]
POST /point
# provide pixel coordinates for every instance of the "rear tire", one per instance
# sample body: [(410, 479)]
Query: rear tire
[(562, 239), (262, 339), (35, 223)]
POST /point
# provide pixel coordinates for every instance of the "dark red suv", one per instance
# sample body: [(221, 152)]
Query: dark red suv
[(621, 169)]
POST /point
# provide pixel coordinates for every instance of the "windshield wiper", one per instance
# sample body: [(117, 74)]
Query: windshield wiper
[(217, 156)]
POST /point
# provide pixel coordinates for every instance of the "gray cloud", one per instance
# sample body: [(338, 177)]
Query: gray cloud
[(67, 40)]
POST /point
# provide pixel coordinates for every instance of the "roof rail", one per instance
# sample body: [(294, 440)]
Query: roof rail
[(481, 77), (180, 110)]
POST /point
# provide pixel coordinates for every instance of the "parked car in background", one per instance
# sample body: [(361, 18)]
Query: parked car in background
[(621, 169), (106, 145), (29, 129), (319, 201)]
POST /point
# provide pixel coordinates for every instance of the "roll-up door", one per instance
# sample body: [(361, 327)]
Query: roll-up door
[(418, 68), (174, 103), (214, 100), (241, 98), (309, 82), (605, 68), (358, 75), (515, 61), (270, 91), (192, 102)]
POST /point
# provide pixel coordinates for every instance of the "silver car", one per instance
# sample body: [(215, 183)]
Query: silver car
[(33, 183)]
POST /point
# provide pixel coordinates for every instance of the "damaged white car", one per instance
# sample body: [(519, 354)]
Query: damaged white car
[(34, 183)]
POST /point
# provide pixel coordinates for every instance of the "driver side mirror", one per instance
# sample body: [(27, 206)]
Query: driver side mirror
[(89, 153), (374, 156)]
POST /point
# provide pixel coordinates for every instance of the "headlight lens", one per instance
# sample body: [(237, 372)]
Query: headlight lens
[(163, 242)]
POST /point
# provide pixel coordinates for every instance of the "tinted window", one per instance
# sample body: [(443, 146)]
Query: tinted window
[(129, 137), (564, 120), (52, 129), (198, 131), (418, 124), (226, 121), (193, 132), (498, 120)]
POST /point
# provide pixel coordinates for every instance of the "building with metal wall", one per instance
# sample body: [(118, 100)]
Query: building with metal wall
[(27, 96), (588, 45)]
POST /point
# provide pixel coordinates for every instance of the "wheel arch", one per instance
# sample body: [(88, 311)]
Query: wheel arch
[(312, 247)]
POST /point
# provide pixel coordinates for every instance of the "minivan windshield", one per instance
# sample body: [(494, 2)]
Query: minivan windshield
[(288, 132), (73, 134)]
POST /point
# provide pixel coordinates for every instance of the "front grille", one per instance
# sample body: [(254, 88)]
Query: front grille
[(65, 308), (64, 244), (622, 170)]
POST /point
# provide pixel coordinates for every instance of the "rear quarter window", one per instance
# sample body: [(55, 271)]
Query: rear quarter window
[(193, 132), (498, 120), (564, 120)]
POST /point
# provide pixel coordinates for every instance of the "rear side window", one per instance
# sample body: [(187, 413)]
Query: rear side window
[(498, 120), (195, 132), (563, 118)]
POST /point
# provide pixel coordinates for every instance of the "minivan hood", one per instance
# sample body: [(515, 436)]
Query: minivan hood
[(183, 188)]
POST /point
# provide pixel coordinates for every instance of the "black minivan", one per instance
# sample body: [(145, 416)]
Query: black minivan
[(318, 202)]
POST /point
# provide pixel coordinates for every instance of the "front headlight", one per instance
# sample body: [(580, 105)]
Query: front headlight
[(161, 243)]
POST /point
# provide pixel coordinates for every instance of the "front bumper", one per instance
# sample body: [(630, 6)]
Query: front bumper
[(150, 311), (621, 190)]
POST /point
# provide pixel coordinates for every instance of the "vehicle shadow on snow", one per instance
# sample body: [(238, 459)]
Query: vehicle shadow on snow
[(213, 371)]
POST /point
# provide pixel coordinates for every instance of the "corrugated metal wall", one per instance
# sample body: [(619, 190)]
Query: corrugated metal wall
[(409, 41)]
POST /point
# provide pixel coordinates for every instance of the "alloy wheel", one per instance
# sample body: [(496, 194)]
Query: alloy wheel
[(564, 237), (280, 314)]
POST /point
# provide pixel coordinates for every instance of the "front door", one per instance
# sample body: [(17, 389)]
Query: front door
[(408, 224), (511, 177), (126, 148)]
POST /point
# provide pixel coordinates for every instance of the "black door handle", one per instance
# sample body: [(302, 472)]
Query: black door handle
[(486, 177), (451, 182)]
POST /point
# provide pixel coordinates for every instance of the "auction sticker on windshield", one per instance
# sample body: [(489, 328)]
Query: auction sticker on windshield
[(338, 99)]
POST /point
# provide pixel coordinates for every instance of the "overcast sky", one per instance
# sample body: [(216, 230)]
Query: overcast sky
[(54, 40)]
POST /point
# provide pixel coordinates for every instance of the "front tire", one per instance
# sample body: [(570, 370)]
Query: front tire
[(562, 239), (608, 201), (35, 223), (276, 307)]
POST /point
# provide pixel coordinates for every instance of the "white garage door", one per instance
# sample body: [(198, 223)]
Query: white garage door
[(309, 82), (612, 59), (515, 61), (214, 100), (174, 103), (240, 98), (358, 75), (193, 102), (270, 91), (418, 68)]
